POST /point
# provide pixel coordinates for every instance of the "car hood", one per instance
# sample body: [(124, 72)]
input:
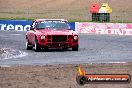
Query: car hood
[(56, 32)]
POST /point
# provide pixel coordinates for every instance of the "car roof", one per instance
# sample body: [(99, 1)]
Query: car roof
[(38, 20)]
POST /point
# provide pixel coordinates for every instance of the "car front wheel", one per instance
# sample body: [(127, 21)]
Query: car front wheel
[(28, 46), (36, 47), (75, 48)]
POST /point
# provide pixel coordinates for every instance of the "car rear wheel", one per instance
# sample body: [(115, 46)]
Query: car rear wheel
[(28, 46), (36, 47), (75, 48)]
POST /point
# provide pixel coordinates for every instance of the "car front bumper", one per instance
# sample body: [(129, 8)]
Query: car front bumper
[(57, 44)]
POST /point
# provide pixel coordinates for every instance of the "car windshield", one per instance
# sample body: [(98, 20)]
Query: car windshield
[(53, 25)]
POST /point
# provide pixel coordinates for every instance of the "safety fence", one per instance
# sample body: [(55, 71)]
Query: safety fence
[(80, 27)]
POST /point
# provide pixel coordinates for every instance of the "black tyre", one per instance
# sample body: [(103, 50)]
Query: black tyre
[(46, 48), (65, 48), (75, 48), (28, 46), (36, 47)]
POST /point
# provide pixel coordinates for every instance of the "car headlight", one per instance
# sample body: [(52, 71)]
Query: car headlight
[(75, 37), (42, 37)]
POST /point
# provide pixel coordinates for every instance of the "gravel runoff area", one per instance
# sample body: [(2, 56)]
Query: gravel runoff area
[(69, 9), (59, 76)]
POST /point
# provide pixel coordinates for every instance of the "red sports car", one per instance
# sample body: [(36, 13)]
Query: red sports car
[(51, 33)]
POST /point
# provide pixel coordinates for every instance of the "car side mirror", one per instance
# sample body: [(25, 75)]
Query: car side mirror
[(31, 28)]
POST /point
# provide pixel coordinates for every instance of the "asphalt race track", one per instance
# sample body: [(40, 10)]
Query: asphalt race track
[(93, 49)]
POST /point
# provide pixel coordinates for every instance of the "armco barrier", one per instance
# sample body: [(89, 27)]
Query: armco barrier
[(22, 25), (104, 28)]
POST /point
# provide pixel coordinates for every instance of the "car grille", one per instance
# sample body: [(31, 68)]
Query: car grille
[(59, 38)]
